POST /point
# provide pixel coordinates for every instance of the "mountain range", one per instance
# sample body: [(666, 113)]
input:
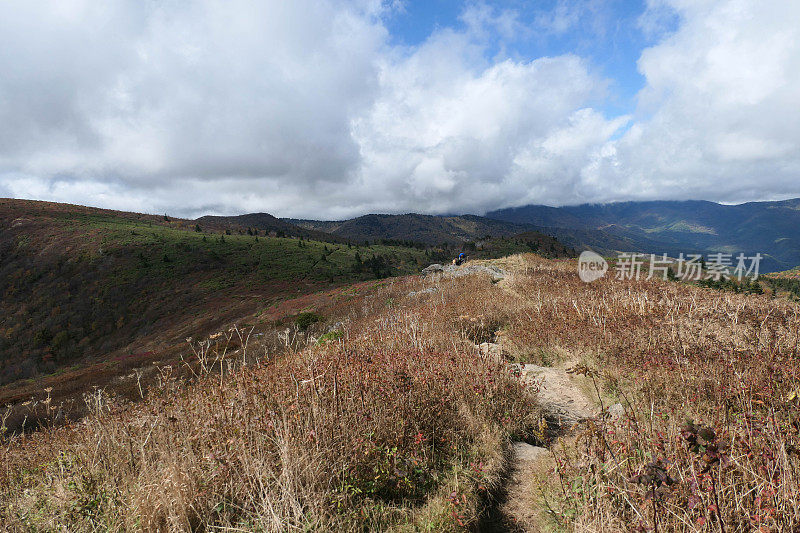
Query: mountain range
[(427, 229), (769, 228), (671, 227), (83, 286)]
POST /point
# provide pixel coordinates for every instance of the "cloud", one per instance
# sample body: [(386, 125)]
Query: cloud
[(567, 15), (483, 20), (443, 136), (297, 108), (142, 93), (721, 108), (658, 19), (305, 109)]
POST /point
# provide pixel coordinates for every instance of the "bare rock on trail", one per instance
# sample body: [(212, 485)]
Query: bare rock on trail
[(491, 350), (435, 268), (456, 271), (616, 411), (564, 403), (559, 395), (528, 452)]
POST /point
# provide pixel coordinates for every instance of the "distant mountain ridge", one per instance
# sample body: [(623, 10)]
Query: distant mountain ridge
[(427, 229), (264, 222), (671, 227), (769, 228)]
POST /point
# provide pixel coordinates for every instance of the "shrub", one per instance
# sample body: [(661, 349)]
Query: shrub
[(330, 336), (305, 320), (355, 436)]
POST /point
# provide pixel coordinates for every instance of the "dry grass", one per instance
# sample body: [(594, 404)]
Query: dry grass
[(398, 424), (709, 382), (401, 424)]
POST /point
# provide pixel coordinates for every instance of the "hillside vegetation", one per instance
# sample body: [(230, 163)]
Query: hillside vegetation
[(787, 282), (265, 222), (80, 283), (388, 416), (428, 229), (531, 241)]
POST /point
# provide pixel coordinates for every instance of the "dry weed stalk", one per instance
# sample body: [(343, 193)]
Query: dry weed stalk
[(671, 352), (402, 421), (399, 421)]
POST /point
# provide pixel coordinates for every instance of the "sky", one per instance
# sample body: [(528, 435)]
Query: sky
[(332, 109)]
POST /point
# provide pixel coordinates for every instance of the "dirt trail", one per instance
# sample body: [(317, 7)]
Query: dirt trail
[(565, 401), (560, 394)]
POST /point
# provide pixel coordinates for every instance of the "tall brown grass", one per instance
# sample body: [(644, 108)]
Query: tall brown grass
[(709, 383), (400, 423)]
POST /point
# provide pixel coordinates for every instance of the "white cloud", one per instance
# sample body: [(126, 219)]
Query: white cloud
[(141, 93), (722, 106), (304, 108), (296, 108), (590, 17), (483, 20), (491, 134)]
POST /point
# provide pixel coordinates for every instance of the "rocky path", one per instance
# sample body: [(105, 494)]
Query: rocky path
[(564, 402), (560, 394), (565, 399)]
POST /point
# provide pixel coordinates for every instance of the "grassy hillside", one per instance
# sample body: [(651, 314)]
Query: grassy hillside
[(264, 222), (388, 420), (80, 283), (389, 417), (787, 282), (538, 243)]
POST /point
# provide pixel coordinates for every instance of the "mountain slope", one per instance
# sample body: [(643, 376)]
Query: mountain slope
[(401, 409), (428, 229), (80, 283), (771, 228), (532, 241), (264, 222)]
